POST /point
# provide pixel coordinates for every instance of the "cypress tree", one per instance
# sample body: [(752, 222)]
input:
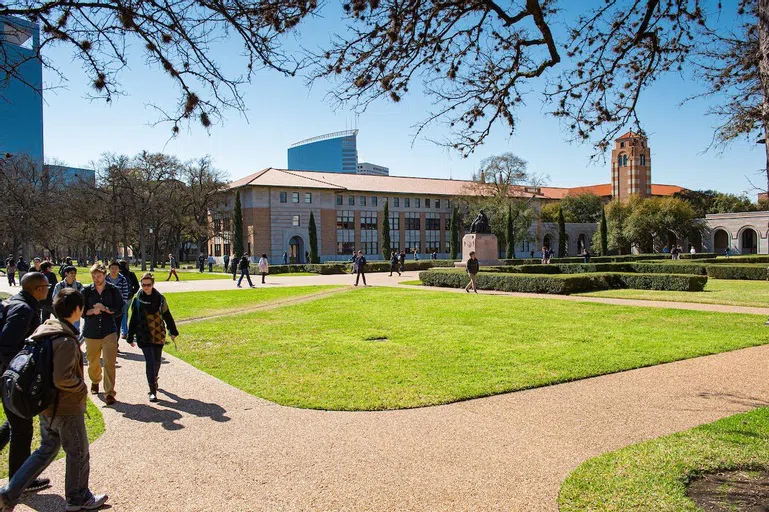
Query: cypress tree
[(510, 234), (561, 234), (454, 237), (604, 234), (386, 232), (237, 225), (313, 240)]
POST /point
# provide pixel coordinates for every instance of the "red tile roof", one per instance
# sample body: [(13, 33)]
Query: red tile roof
[(665, 190), (630, 135)]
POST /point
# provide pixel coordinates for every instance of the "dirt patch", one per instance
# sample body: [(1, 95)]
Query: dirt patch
[(732, 491)]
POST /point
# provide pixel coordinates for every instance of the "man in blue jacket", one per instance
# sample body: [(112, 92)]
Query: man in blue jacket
[(22, 318)]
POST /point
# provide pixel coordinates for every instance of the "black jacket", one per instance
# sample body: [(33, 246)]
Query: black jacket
[(22, 266), (138, 328), (132, 280), (472, 266), (23, 317), (103, 324), (47, 304), (360, 263), (244, 263)]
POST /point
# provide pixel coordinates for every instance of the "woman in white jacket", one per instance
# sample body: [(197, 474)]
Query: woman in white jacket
[(264, 266)]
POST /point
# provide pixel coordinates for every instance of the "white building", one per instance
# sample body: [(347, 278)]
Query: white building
[(372, 169)]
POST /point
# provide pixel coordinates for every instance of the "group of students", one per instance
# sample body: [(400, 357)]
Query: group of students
[(102, 308), (243, 265)]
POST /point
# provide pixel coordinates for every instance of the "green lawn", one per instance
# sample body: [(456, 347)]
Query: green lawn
[(187, 305), (160, 275), (415, 282), (443, 347), (717, 291), (94, 426), (652, 476)]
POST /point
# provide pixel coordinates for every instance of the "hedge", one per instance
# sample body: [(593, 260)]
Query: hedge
[(698, 256), (339, 267), (285, 269), (737, 272), (565, 284)]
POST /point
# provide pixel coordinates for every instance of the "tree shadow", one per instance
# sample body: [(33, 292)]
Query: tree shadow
[(748, 401), (147, 414), (195, 407)]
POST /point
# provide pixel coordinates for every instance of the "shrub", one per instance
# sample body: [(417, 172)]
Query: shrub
[(285, 269), (737, 272), (698, 256), (565, 284), (328, 268)]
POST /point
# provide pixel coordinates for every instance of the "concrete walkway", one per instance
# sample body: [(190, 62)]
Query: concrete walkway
[(207, 446)]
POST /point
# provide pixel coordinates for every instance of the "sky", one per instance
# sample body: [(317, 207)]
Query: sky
[(281, 111)]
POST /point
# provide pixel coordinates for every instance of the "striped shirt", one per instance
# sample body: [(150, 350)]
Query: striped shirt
[(122, 284)]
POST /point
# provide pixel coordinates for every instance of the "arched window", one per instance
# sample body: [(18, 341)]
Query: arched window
[(624, 160), (619, 161)]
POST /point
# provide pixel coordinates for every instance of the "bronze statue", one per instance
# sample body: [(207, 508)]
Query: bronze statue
[(481, 224)]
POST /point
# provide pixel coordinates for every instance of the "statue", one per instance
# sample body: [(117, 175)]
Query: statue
[(481, 224)]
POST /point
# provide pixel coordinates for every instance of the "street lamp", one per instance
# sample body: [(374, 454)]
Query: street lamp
[(152, 253)]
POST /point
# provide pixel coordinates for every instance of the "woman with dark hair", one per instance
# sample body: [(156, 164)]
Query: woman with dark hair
[(149, 318)]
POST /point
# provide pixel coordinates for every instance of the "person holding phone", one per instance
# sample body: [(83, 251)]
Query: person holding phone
[(103, 304)]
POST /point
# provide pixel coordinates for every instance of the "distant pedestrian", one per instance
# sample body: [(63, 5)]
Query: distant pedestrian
[(245, 263), (472, 270), (306, 257), (544, 254), (201, 262), (10, 270), (394, 261), (66, 263), (23, 267), (434, 256), (354, 259), (726, 252), (46, 305), (531, 254), (402, 261), (150, 317), (226, 261), (692, 251), (234, 266), (103, 303), (62, 424), (36, 265), (264, 266), (360, 268), (285, 258), (586, 255), (116, 278), (416, 254), (210, 263), (172, 268)]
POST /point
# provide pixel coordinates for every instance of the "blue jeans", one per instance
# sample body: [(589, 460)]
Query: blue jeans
[(124, 319), (66, 432), (247, 275)]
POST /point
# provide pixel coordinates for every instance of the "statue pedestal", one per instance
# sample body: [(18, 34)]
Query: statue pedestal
[(485, 246)]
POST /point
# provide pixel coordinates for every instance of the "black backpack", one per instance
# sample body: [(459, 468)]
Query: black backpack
[(28, 387)]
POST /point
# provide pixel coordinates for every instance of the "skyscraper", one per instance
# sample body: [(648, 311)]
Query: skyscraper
[(333, 152)]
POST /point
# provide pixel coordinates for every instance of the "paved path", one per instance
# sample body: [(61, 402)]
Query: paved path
[(207, 446)]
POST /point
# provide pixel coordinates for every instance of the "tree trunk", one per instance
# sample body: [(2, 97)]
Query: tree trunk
[(143, 246), (763, 68)]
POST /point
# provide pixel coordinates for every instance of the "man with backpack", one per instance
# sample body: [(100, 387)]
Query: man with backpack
[(103, 304), (62, 423), (245, 263), (21, 318)]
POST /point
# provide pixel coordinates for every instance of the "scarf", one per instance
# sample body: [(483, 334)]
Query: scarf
[(149, 303)]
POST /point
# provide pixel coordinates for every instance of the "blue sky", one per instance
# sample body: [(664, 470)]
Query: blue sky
[(283, 110)]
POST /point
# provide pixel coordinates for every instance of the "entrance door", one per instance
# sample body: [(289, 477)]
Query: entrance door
[(749, 242), (295, 250)]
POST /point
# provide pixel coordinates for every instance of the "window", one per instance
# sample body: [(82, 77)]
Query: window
[(396, 202), (412, 221), (345, 232), (373, 201), (643, 159), (448, 203), (622, 144), (284, 197), (395, 231), (447, 235), (413, 234), (427, 202), (307, 198), (295, 221), (416, 203), (432, 232), (362, 201), (226, 248), (217, 249), (295, 197), (339, 200), (368, 232), (226, 224), (351, 201), (624, 160), (217, 226), (437, 203), (406, 202)]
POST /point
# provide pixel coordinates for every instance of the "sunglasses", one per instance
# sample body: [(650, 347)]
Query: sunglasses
[(147, 285)]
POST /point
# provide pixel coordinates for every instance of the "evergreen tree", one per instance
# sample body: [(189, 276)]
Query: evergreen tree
[(604, 234), (561, 234), (454, 237), (237, 224), (313, 240), (386, 232), (510, 234)]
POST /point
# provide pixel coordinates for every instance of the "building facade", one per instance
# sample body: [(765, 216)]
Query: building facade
[(631, 166), (333, 152), (372, 169), (21, 94), (741, 233)]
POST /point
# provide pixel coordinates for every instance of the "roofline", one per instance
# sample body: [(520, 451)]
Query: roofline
[(327, 136)]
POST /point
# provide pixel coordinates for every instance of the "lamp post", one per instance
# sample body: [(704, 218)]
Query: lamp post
[(152, 252)]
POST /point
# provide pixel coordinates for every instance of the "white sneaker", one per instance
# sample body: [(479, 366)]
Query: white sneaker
[(96, 502)]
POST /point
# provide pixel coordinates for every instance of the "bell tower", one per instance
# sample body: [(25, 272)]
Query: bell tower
[(631, 167)]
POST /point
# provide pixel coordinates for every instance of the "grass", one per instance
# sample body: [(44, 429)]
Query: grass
[(94, 424), (415, 282), (380, 348), (652, 476), (717, 291), (188, 305), (160, 275)]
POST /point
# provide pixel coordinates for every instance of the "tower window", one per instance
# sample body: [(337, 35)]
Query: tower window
[(624, 160), (643, 159), (622, 144)]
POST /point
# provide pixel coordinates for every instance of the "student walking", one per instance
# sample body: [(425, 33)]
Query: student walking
[(103, 303), (264, 266), (586, 255), (402, 262), (354, 260), (69, 281), (10, 270), (285, 258), (46, 305), (23, 267), (472, 270), (121, 283), (201, 262), (234, 266), (245, 263), (21, 320), (172, 266), (150, 317), (226, 261), (62, 424), (394, 261), (125, 271), (360, 263), (210, 263)]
